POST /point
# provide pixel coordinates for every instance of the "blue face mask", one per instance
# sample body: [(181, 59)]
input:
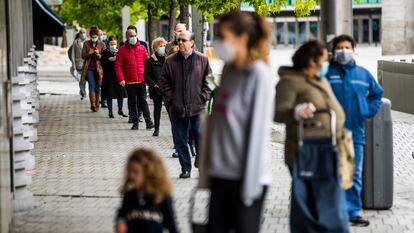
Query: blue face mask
[(112, 47), (324, 70), (132, 40), (161, 51), (177, 36), (94, 39), (82, 36), (103, 37)]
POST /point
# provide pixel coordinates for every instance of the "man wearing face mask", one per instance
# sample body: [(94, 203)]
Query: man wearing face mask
[(184, 85), (360, 96), (130, 66), (172, 46)]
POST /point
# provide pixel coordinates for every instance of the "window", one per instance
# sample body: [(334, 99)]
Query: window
[(292, 32), (280, 33), (355, 29), (302, 32), (313, 30), (365, 31)]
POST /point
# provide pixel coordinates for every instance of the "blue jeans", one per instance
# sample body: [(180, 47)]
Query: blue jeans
[(353, 194), (93, 81), (120, 103), (180, 135)]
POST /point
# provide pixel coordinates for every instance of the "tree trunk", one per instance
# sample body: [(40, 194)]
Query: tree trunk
[(184, 14), (239, 4), (151, 27), (171, 22)]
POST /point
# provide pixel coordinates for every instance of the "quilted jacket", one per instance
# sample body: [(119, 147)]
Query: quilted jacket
[(130, 63)]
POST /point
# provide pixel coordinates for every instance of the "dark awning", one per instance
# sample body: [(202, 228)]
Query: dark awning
[(46, 23)]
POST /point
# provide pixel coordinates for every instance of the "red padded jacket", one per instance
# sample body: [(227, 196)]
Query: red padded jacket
[(130, 63)]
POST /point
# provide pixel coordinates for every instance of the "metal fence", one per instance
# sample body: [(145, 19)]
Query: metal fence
[(397, 79)]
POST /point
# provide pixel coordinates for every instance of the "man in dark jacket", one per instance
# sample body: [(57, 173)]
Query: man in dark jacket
[(183, 82), (360, 96)]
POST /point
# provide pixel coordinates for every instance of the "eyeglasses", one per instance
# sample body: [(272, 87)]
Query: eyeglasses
[(182, 40)]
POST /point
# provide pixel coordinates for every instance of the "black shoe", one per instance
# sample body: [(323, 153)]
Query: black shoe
[(150, 125), (196, 162), (156, 133), (123, 114), (135, 126), (110, 114), (185, 175), (140, 119), (174, 155), (103, 105), (358, 221)]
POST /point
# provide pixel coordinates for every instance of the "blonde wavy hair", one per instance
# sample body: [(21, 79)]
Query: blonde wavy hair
[(157, 182)]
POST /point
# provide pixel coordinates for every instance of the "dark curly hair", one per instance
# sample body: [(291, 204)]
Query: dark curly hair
[(93, 31)]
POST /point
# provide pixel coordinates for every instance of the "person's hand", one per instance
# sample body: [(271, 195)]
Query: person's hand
[(304, 111), (121, 227), (112, 58), (96, 51), (122, 83)]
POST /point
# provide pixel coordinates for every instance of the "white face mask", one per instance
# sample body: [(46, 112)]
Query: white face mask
[(344, 56), (224, 50)]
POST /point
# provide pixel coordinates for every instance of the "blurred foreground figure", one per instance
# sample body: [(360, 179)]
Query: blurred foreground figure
[(147, 205), (303, 100), (237, 154), (360, 96)]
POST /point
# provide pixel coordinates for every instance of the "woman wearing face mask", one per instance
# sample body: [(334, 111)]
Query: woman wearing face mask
[(110, 86), (92, 69), (301, 91), (236, 154), (152, 74)]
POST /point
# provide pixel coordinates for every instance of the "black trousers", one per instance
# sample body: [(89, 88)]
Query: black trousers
[(227, 211), (137, 99), (157, 111)]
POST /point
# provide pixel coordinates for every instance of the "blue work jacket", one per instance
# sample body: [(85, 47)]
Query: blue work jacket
[(359, 94)]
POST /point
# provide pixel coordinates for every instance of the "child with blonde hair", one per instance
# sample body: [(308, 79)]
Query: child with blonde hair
[(147, 204)]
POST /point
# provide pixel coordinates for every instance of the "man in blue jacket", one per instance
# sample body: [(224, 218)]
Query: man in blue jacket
[(360, 96)]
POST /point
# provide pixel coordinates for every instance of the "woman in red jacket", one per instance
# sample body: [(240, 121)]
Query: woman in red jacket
[(130, 66)]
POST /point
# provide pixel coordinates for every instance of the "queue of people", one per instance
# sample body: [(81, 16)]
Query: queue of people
[(318, 99)]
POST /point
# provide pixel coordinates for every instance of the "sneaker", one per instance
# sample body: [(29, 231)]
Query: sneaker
[(185, 175), (135, 126), (110, 114), (156, 133), (358, 221), (174, 155)]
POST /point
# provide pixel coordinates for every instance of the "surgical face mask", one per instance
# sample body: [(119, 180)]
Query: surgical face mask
[(177, 36), (161, 51), (82, 36), (324, 70), (224, 50), (344, 56), (103, 37), (94, 39), (112, 47), (132, 40)]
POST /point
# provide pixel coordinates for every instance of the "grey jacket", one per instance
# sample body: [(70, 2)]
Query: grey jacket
[(238, 134), (77, 54)]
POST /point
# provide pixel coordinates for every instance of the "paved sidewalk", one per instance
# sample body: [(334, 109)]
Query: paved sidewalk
[(80, 156)]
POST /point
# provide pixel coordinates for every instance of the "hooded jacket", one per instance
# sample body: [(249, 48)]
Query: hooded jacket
[(294, 88), (358, 93), (130, 63)]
